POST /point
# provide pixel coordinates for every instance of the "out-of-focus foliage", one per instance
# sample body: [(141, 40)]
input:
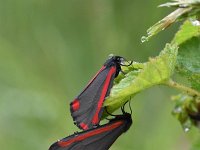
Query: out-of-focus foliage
[(186, 110), (185, 9), (188, 59), (187, 105), (196, 145), (188, 64), (188, 67)]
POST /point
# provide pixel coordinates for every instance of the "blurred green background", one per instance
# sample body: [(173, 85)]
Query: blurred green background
[(49, 50)]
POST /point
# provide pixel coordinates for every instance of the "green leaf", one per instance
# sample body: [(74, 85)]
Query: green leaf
[(156, 71), (164, 23), (186, 8), (188, 60), (135, 67), (196, 145), (186, 106), (186, 32)]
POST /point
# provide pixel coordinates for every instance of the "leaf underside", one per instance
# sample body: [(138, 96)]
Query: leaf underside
[(155, 71)]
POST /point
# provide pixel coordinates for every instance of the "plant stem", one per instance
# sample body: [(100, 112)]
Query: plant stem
[(181, 87)]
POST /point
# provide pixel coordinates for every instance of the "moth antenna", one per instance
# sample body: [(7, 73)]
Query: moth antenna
[(122, 108), (131, 62), (130, 106), (108, 112)]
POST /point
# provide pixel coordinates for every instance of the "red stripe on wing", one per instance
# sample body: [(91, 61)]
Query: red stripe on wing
[(95, 119), (83, 126), (75, 105), (90, 133)]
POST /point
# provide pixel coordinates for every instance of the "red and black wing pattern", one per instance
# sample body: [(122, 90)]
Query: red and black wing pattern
[(100, 138), (86, 109)]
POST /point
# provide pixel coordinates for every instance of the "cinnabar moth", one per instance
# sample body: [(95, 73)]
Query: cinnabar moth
[(99, 138), (86, 109)]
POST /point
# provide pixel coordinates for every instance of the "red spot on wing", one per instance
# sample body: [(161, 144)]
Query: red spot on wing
[(75, 105), (83, 126), (95, 119), (90, 134)]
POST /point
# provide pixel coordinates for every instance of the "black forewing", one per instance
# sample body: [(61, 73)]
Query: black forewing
[(102, 141), (88, 99)]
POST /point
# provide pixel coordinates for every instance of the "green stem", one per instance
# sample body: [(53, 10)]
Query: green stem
[(181, 87)]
